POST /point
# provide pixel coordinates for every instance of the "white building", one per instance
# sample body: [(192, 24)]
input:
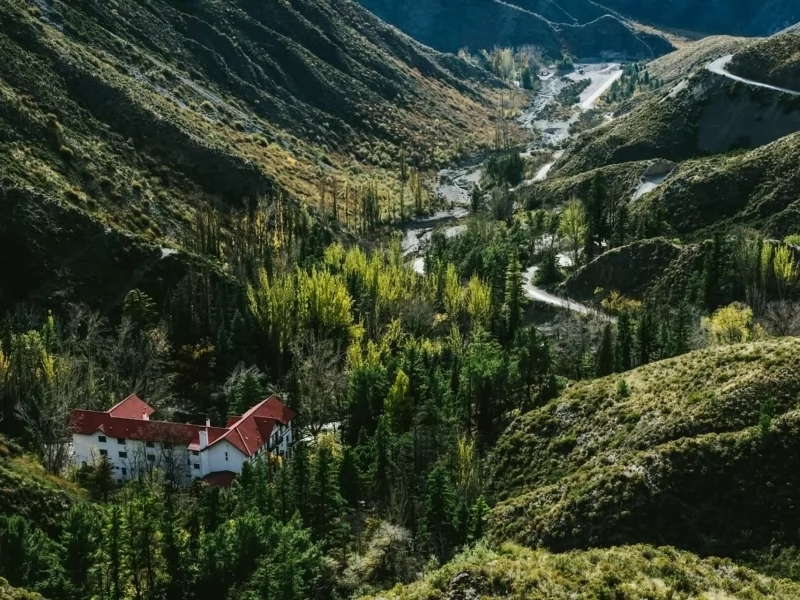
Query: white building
[(133, 443)]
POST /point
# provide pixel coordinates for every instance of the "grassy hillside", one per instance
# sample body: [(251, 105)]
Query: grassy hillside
[(579, 27), (630, 270), (707, 115), (633, 573), (694, 55), (686, 456), (147, 108), (757, 188), (775, 60), (26, 489)]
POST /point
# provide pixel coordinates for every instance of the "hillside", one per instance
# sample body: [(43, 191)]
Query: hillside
[(580, 28), (633, 573), (706, 114), (775, 60), (11, 593), (733, 17), (757, 188), (684, 457), (135, 109)]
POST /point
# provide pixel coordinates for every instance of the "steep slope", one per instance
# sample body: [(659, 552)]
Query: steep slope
[(705, 114), (583, 29), (775, 60), (632, 573), (139, 116), (734, 17), (686, 456), (759, 188)]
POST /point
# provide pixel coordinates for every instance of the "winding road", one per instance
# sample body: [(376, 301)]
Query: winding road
[(718, 67)]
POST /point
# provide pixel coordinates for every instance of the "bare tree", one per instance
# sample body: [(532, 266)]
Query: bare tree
[(321, 381), (46, 417), (781, 318)]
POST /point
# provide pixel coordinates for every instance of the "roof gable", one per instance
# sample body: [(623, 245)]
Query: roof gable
[(131, 407)]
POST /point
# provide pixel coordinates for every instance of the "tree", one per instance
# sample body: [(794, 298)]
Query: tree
[(477, 520), (439, 512), (399, 404), (732, 324), (512, 306), (605, 355), (572, 228), (140, 309), (624, 353), (527, 79), (322, 381), (325, 502)]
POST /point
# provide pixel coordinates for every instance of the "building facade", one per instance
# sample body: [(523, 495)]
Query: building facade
[(133, 443)]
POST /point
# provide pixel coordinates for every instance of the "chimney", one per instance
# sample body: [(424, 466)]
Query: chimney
[(208, 422), (144, 416), (203, 438)]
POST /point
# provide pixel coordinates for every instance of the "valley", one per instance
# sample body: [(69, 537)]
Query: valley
[(399, 299)]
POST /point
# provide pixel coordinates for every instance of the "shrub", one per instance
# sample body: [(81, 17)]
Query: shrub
[(623, 391)]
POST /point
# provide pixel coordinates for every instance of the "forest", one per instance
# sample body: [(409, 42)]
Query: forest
[(402, 382)]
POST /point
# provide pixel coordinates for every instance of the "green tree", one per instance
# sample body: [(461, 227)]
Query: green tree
[(624, 351), (477, 519), (605, 354), (78, 539), (325, 501), (399, 404), (512, 306), (140, 309), (573, 229), (440, 531)]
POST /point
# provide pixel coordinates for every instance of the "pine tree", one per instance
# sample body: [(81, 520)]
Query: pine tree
[(103, 479), (248, 392), (440, 532), (477, 519), (646, 334), (381, 472), (78, 540), (171, 550), (325, 502), (512, 306), (605, 355), (300, 477), (624, 353), (349, 478)]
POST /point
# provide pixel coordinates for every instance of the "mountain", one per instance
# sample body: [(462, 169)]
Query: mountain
[(681, 453), (139, 118), (733, 17), (632, 572), (583, 30)]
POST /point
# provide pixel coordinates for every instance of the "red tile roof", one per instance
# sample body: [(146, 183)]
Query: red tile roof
[(247, 433), (253, 429), (132, 407)]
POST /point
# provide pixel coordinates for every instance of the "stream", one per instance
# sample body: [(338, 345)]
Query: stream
[(453, 186)]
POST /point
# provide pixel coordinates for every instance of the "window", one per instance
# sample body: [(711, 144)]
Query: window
[(121, 441), (167, 446), (151, 445), (195, 453), (124, 471), (123, 454), (103, 452), (197, 466), (101, 438), (226, 456), (151, 457)]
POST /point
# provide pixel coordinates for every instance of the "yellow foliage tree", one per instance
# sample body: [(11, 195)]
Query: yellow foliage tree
[(479, 301), (732, 324)]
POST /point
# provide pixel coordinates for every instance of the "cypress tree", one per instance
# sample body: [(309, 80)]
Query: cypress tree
[(440, 533), (381, 482), (512, 306), (325, 502), (605, 355), (624, 355)]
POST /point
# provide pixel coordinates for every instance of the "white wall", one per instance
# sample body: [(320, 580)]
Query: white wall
[(223, 456), (137, 456)]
